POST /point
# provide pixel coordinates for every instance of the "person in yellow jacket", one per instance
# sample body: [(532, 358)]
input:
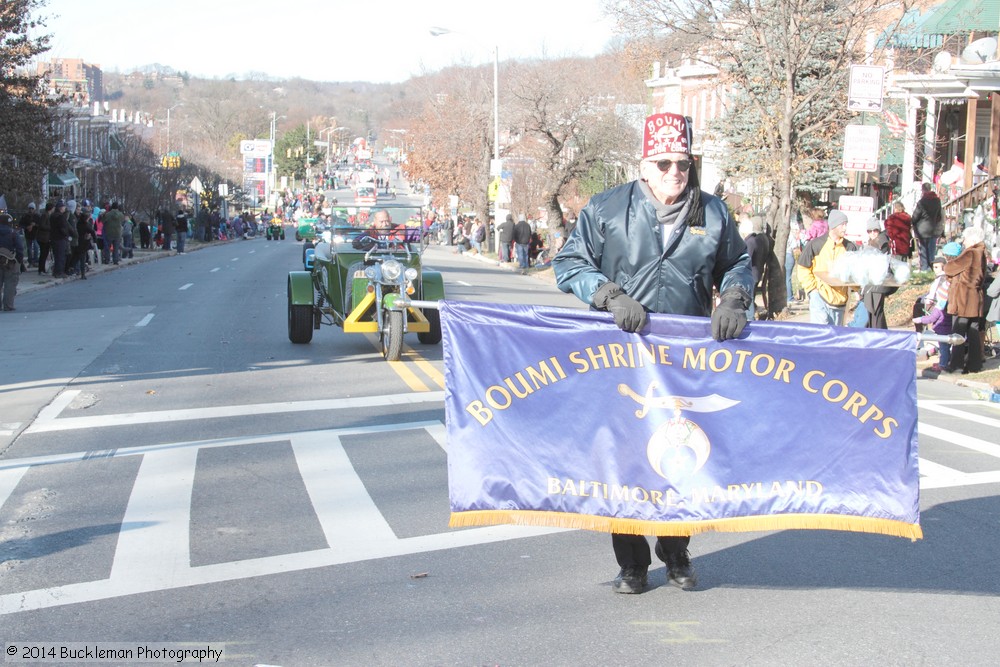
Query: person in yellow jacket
[(826, 303)]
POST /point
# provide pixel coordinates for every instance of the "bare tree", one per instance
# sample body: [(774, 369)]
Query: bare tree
[(567, 126), (787, 62), (450, 139), (131, 175)]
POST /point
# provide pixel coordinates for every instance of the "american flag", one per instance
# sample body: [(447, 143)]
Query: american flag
[(895, 124)]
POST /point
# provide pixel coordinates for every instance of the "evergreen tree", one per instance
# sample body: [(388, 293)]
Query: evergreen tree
[(26, 136), (785, 65)]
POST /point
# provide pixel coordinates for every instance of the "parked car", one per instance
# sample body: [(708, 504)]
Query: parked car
[(367, 281)]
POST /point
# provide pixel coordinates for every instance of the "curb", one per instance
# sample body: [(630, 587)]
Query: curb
[(32, 281)]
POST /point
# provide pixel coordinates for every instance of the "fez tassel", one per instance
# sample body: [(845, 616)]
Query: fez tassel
[(857, 524)]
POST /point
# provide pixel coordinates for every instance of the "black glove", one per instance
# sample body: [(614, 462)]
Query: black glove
[(730, 316), (629, 313)]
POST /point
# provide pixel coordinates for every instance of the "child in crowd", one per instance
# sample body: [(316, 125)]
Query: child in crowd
[(935, 305)]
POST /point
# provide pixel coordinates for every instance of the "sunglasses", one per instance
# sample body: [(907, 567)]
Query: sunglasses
[(682, 165)]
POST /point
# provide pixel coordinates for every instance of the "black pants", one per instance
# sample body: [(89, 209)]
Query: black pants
[(43, 254), (968, 357), (633, 550), (874, 300)]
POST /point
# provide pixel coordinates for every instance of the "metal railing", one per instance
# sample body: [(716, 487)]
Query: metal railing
[(955, 208)]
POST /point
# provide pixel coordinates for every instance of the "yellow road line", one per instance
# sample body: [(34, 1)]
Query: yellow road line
[(403, 370)]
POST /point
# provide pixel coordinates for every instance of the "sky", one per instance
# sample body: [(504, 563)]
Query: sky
[(380, 41)]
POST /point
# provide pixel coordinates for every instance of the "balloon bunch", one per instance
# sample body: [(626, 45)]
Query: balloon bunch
[(869, 266)]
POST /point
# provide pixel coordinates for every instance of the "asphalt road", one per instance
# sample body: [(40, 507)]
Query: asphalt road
[(174, 470)]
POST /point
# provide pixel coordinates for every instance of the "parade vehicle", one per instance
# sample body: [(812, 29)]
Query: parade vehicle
[(365, 195), (306, 229), (275, 229), (367, 281)]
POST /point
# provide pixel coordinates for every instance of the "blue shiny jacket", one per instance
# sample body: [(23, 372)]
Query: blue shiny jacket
[(618, 238)]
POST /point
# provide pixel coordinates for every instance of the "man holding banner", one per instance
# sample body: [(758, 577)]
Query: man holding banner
[(658, 245)]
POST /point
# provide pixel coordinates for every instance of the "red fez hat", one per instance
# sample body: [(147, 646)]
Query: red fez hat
[(666, 133)]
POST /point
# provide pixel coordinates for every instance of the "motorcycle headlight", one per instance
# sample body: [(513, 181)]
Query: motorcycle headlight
[(391, 270), (370, 272), (411, 273)]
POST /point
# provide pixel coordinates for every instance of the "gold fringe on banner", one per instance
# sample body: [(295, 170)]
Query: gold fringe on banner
[(857, 524)]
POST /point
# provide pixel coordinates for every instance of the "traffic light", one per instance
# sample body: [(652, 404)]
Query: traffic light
[(170, 161)]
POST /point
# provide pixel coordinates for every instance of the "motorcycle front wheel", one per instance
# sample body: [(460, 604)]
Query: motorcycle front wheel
[(392, 335)]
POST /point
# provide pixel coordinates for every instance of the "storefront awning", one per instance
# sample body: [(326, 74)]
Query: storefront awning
[(63, 180), (961, 16)]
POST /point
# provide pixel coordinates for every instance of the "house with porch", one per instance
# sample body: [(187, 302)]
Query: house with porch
[(941, 118)]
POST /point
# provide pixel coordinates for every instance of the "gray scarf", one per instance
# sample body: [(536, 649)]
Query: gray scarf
[(670, 216)]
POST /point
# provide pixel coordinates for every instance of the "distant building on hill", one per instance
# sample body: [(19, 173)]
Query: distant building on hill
[(81, 83)]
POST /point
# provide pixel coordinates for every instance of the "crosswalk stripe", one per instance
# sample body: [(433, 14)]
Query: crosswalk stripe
[(48, 422), (962, 479), (965, 416), (345, 511), (9, 479), (58, 404), (966, 441), (153, 552), (936, 470), (154, 540)]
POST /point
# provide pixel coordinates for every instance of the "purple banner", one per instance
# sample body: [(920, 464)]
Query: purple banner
[(555, 417)]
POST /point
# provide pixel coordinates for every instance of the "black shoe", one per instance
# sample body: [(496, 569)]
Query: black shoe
[(680, 572), (631, 580)]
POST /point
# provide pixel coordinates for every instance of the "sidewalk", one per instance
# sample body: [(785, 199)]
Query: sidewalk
[(31, 280), (799, 313)]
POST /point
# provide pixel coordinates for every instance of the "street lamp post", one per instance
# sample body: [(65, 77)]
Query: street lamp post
[(270, 181), (179, 104), (328, 130), (437, 31)]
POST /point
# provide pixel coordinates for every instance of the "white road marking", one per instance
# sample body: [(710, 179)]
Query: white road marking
[(463, 283), (214, 270), (962, 479), (966, 416), (967, 441), (156, 528), (235, 259), (58, 404), (153, 545), (440, 435), (47, 421), (9, 479), (346, 512), (9, 428), (184, 287), (73, 457), (931, 469), (144, 321)]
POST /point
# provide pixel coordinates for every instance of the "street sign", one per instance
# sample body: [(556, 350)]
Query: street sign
[(196, 185), (858, 210), (255, 147), (861, 144), (865, 91)]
